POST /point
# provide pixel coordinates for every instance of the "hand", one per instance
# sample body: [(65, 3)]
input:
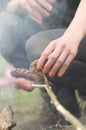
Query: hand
[(36, 8), (59, 54), (23, 84)]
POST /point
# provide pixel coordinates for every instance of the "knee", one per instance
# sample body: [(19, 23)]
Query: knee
[(12, 38), (31, 50), (34, 47), (38, 42)]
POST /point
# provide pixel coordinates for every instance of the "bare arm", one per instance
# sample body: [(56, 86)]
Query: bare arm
[(78, 23), (60, 52)]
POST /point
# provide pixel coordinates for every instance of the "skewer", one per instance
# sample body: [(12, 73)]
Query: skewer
[(39, 85)]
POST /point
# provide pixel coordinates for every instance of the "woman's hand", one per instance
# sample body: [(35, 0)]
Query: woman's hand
[(58, 55), (42, 6), (36, 8)]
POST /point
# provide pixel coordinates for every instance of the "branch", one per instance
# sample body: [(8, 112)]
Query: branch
[(67, 115)]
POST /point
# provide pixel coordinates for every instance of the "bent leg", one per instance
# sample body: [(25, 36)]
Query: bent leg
[(12, 40), (14, 32)]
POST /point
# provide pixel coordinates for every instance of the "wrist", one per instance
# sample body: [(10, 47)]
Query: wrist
[(75, 32)]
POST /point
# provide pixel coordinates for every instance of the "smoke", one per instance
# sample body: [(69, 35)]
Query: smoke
[(3, 4), (7, 93), (6, 84)]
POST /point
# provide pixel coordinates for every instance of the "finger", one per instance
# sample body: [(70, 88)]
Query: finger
[(51, 1), (36, 6), (34, 13), (58, 63), (23, 84), (26, 6), (65, 65), (45, 55), (52, 58), (45, 4), (36, 16)]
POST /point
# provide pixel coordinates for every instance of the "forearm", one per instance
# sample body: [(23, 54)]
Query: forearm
[(78, 24)]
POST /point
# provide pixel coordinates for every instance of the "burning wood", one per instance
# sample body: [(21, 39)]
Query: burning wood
[(6, 118), (34, 75)]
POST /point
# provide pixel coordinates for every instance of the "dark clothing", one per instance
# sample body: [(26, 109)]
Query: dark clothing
[(62, 13)]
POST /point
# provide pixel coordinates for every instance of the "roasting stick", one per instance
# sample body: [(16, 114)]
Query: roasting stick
[(39, 85), (66, 114)]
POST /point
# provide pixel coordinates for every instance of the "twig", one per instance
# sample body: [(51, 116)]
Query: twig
[(39, 85), (67, 115)]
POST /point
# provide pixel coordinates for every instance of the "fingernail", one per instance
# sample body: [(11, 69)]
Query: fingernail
[(50, 8), (38, 67), (59, 75), (50, 74), (45, 71), (47, 14)]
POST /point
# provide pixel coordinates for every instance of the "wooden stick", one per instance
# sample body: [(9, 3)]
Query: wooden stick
[(39, 85), (66, 114)]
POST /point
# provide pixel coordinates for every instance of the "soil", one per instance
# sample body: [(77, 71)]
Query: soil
[(33, 122)]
